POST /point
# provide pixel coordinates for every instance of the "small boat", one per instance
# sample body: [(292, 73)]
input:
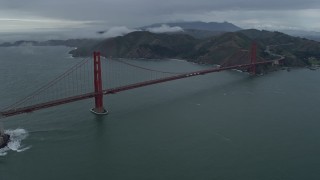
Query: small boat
[(4, 140)]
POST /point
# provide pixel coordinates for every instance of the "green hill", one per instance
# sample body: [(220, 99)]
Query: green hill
[(142, 44), (214, 50), (228, 48), (298, 51)]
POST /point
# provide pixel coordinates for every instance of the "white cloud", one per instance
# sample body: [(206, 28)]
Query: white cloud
[(135, 13), (165, 29), (118, 31)]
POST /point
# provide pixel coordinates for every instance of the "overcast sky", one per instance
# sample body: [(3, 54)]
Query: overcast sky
[(42, 15)]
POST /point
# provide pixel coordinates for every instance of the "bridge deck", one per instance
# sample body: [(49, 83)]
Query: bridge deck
[(32, 108)]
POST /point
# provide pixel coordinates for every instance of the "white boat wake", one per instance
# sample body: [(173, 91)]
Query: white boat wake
[(16, 137)]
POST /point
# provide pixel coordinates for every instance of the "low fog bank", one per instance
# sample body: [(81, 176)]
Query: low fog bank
[(92, 33)]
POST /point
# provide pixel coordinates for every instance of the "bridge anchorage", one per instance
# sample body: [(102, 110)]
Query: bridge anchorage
[(98, 92)]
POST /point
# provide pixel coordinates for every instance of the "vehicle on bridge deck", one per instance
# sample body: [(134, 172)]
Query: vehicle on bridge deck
[(4, 140)]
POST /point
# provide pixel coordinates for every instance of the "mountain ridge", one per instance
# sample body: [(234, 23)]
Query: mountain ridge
[(213, 50), (198, 25)]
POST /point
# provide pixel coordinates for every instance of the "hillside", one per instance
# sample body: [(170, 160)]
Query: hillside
[(298, 51), (142, 44), (224, 49), (214, 50)]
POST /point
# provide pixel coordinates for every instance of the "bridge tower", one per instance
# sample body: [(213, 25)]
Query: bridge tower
[(253, 58), (98, 98)]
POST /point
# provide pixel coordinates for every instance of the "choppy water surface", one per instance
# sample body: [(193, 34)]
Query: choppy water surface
[(220, 126)]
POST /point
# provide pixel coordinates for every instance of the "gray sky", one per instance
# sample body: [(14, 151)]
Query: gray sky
[(44, 15)]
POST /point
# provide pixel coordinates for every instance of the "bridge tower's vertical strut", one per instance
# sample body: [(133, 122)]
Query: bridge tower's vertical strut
[(253, 57), (98, 109)]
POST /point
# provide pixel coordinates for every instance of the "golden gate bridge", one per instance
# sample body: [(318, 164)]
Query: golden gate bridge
[(98, 77)]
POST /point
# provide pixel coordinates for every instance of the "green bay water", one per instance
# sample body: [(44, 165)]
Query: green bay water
[(224, 125)]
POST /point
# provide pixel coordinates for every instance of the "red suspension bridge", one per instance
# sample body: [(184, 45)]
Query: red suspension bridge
[(93, 79)]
